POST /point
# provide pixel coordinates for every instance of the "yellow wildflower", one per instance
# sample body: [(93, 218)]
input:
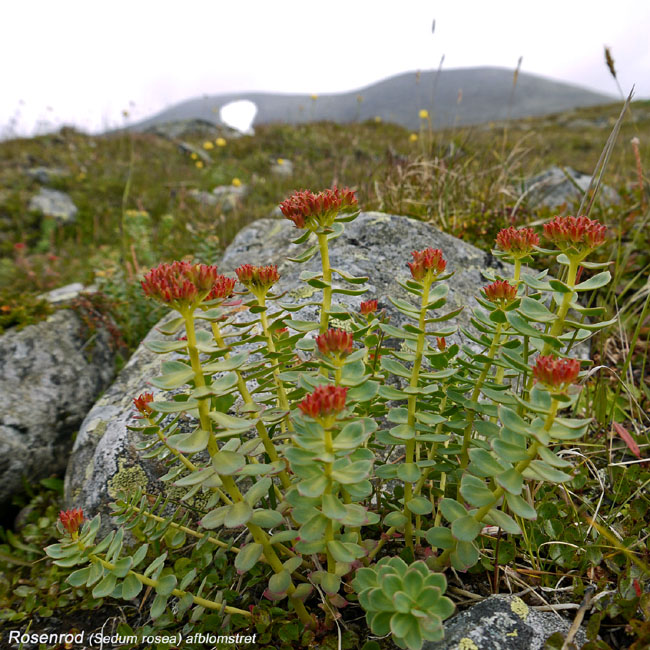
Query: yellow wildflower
[(424, 114), (220, 142), (413, 137), (236, 182), (199, 164), (208, 145)]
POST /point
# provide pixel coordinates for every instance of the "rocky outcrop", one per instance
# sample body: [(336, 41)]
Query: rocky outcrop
[(52, 373), (52, 203), (502, 623), (558, 186), (376, 245)]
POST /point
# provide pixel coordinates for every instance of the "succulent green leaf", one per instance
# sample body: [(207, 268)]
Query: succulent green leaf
[(420, 506), (79, 577), (395, 367), (122, 567), (548, 473), (158, 606), (176, 373), (173, 407), (396, 519), (189, 443), (520, 507), (266, 518), (409, 472), (403, 432), (166, 584), (475, 492), (105, 586), (509, 452), (465, 556), (248, 557), (380, 623), (228, 463), (440, 537), (313, 487), (238, 514), (279, 582), (466, 528), (504, 521), (451, 509), (595, 282), (344, 551), (333, 508), (483, 463), (535, 310), (131, 587), (160, 346), (511, 481), (314, 529)]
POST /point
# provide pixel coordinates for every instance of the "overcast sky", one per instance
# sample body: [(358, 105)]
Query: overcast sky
[(84, 62)]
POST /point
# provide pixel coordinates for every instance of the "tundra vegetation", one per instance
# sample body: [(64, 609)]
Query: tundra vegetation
[(359, 478)]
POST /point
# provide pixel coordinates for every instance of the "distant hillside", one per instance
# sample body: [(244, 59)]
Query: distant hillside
[(453, 97)]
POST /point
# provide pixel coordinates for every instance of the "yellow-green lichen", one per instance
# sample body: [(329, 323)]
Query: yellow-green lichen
[(513, 633), (127, 479), (276, 229), (519, 607), (97, 428), (467, 644), (303, 292), (344, 325)]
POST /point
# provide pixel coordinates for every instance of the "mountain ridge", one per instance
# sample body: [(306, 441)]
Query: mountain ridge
[(455, 97)]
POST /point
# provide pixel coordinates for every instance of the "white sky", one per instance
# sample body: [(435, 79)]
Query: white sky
[(84, 62)]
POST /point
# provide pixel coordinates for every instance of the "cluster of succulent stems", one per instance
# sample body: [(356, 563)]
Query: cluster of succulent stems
[(186, 287)]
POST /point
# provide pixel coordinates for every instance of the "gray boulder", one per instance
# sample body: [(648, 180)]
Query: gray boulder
[(502, 623), (226, 197), (557, 186), (52, 373), (282, 167), (45, 175), (104, 459), (53, 203)]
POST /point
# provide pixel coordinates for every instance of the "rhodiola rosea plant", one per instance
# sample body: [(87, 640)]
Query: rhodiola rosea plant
[(348, 460)]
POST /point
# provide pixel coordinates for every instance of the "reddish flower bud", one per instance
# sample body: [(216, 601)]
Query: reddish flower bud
[(518, 242), (179, 284), (577, 235), (324, 402), (259, 279), (72, 520), (334, 343), (428, 262), (281, 333), (442, 343), (556, 374), (368, 307), (222, 288), (500, 292), (308, 210), (142, 403), (20, 246)]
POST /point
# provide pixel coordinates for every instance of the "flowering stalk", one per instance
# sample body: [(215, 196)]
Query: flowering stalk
[(427, 265)]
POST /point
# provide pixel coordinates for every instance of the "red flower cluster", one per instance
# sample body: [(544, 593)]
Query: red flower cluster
[(142, 404), (368, 307), (427, 262), (517, 242), (579, 233), (179, 284), (258, 278), (72, 520), (556, 374), (500, 292), (334, 342), (325, 401), (309, 210), (442, 343), (222, 288)]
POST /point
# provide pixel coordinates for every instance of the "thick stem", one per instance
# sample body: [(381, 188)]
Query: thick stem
[(149, 582), (327, 277), (412, 402), (199, 380)]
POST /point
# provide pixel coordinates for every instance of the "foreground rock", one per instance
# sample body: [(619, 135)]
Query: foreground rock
[(558, 186), (53, 203), (52, 373), (104, 459), (502, 623)]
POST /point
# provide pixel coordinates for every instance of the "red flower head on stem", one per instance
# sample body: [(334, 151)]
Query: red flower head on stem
[(325, 402), (311, 211), (556, 374), (442, 343), (71, 520), (258, 279), (501, 292), (222, 288), (517, 242), (575, 236), (335, 343), (180, 285), (427, 263), (142, 404), (368, 307)]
